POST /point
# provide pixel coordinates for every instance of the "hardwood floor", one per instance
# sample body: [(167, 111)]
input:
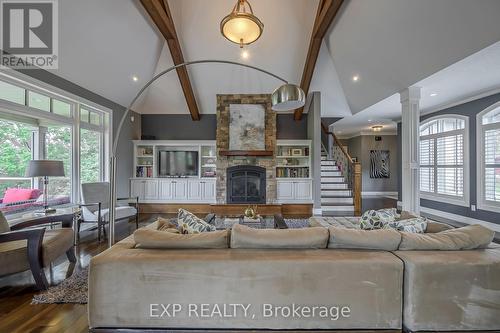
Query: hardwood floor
[(17, 314)]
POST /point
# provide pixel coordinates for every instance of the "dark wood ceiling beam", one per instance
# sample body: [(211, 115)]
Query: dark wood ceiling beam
[(160, 13), (327, 10)]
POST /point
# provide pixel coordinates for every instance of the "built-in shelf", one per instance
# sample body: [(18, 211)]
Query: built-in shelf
[(246, 152)]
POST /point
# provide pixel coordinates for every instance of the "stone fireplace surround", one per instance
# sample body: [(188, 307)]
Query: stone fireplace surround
[(222, 137)]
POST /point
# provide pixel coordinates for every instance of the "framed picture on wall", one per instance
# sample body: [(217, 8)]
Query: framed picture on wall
[(380, 164)]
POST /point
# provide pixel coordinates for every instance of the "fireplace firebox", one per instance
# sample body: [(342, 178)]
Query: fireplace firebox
[(246, 184)]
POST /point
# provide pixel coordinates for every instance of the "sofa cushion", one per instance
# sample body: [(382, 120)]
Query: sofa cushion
[(382, 239), (14, 255), (377, 219), (451, 290), (191, 224), (4, 225), (415, 225), (157, 239), (465, 238), (165, 224), (434, 227), (243, 237)]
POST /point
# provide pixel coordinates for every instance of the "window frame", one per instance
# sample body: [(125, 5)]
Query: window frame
[(444, 198), (482, 203), (19, 111)]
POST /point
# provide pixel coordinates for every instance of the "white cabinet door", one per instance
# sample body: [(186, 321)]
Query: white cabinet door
[(151, 190), (195, 190), (165, 190), (302, 190), (179, 189), (208, 194), (137, 188), (284, 191)]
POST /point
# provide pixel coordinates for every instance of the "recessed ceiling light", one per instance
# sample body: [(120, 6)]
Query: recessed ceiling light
[(434, 94), (244, 54), (369, 120), (355, 78), (135, 78)]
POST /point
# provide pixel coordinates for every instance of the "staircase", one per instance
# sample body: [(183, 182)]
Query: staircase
[(336, 196)]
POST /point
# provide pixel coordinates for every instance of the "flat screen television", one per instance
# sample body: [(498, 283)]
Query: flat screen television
[(177, 163)]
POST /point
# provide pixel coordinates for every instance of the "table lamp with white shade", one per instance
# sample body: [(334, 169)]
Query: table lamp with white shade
[(45, 169)]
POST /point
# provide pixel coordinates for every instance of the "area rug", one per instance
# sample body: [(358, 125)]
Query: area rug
[(71, 290)]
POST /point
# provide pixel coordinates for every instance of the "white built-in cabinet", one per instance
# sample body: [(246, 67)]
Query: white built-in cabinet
[(168, 190), (294, 191), (293, 174), (153, 189)]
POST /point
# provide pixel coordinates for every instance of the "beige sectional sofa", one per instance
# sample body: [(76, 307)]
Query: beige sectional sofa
[(361, 289)]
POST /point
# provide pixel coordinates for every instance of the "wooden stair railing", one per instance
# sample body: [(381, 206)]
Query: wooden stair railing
[(354, 175)]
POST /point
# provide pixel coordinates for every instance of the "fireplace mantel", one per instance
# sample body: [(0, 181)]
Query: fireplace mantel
[(246, 152)]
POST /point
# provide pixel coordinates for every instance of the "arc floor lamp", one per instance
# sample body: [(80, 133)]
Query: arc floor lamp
[(285, 98)]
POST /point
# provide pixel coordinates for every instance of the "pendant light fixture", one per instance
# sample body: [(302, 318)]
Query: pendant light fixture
[(241, 26)]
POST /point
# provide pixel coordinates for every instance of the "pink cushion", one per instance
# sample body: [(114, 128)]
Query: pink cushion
[(20, 194)]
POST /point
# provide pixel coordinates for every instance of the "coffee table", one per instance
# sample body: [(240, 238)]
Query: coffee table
[(262, 222)]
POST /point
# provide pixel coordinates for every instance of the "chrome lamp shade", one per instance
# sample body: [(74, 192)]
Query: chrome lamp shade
[(288, 97), (45, 168)]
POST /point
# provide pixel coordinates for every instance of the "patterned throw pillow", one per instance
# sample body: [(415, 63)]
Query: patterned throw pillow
[(190, 224), (414, 225), (377, 219)]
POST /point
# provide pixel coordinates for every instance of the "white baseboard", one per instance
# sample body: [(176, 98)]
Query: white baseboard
[(317, 211), (371, 194), (458, 218)]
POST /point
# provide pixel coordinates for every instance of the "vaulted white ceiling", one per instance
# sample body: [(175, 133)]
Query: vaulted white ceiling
[(390, 44), (102, 44), (282, 49)]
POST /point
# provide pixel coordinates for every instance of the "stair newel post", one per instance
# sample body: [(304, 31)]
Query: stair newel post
[(356, 187)]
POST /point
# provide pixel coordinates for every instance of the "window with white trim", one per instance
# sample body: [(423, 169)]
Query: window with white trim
[(443, 159), (488, 132), (42, 122)]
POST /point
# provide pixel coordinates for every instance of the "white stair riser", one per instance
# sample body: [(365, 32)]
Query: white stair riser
[(347, 201), (331, 173), (335, 186), (337, 208), (329, 168), (326, 162), (332, 180), (346, 193)]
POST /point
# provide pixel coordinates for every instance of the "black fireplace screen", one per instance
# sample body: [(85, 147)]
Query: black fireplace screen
[(246, 184)]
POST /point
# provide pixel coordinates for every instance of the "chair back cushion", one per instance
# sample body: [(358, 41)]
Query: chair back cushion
[(4, 225), (96, 192)]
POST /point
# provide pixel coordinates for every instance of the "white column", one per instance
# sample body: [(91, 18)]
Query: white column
[(410, 99)]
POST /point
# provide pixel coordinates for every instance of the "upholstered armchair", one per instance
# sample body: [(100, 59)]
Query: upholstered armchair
[(23, 248), (95, 207)]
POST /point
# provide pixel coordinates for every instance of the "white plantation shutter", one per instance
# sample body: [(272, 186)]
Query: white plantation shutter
[(442, 150), (492, 164)]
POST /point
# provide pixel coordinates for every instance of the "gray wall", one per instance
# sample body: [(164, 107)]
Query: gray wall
[(470, 109), (125, 147), (288, 128), (314, 134), (182, 127), (179, 126), (360, 147)]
